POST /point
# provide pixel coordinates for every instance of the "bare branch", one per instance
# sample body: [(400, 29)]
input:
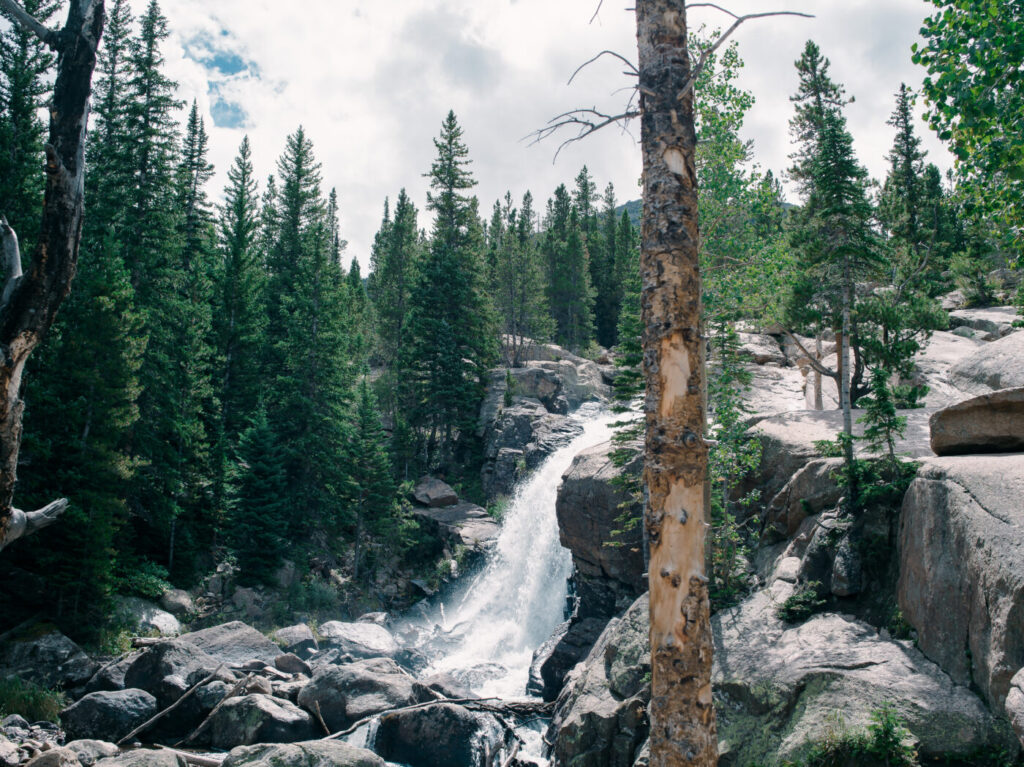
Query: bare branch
[(588, 121), (717, 7), (10, 261), (24, 523), (818, 367), (619, 56), (49, 37), (696, 72)]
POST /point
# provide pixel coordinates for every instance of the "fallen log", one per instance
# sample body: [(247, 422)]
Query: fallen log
[(160, 715)]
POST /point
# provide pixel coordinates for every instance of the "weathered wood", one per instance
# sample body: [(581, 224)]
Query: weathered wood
[(237, 688), (30, 305), (683, 730), (199, 760), (161, 714)]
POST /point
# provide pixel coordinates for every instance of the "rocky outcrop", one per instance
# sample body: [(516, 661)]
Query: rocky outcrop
[(554, 659), (259, 718), (592, 522), (993, 366), (145, 617), (462, 524), (315, 753), (107, 715), (167, 669), (523, 424), (297, 639), (778, 686), (234, 643), (178, 603), (1015, 704), (811, 490), (47, 658), (787, 443), (346, 694), (433, 493), (961, 582), (600, 718), (442, 735), (358, 640), (992, 323), (990, 423)]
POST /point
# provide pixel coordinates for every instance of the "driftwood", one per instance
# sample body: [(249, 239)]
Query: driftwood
[(160, 715), (320, 717), (239, 686), (199, 760), (147, 641)]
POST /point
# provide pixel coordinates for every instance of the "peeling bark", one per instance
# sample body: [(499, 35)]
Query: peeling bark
[(683, 730), (30, 301)]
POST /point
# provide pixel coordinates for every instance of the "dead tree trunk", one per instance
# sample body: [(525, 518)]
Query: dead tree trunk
[(683, 730), (29, 302)]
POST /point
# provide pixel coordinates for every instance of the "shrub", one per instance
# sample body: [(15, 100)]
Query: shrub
[(802, 604), (29, 700)]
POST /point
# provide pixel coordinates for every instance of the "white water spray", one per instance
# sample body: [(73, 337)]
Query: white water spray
[(498, 619)]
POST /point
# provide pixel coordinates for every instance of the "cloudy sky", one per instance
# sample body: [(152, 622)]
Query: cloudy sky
[(371, 81)]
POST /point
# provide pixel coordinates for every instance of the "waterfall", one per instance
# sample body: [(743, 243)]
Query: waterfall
[(493, 623)]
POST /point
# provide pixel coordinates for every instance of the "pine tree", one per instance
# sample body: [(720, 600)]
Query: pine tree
[(608, 300), (817, 95), (838, 247), (239, 319), (450, 324), (568, 273), (371, 494), (24, 88), (259, 503), (307, 367), (396, 255), (517, 281)]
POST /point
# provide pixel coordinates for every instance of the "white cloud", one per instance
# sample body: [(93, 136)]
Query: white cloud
[(371, 82)]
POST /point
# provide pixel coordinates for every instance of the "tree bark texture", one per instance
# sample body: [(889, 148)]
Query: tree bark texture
[(32, 300), (683, 730)]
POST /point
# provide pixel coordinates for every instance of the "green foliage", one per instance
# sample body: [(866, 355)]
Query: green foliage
[(258, 503), (24, 91), (450, 321), (882, 744), (34, 703), (569, 290), (802, 604), (734, 455), (370, 491), (142, 578), (517, 279), (976, 103)]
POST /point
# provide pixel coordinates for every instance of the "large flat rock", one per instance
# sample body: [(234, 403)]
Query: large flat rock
[(933, 363), (989, 423), (465, 524), (993, 366), (961, 549)]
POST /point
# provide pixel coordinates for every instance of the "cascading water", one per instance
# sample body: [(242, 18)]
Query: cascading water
[(491, 625)]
